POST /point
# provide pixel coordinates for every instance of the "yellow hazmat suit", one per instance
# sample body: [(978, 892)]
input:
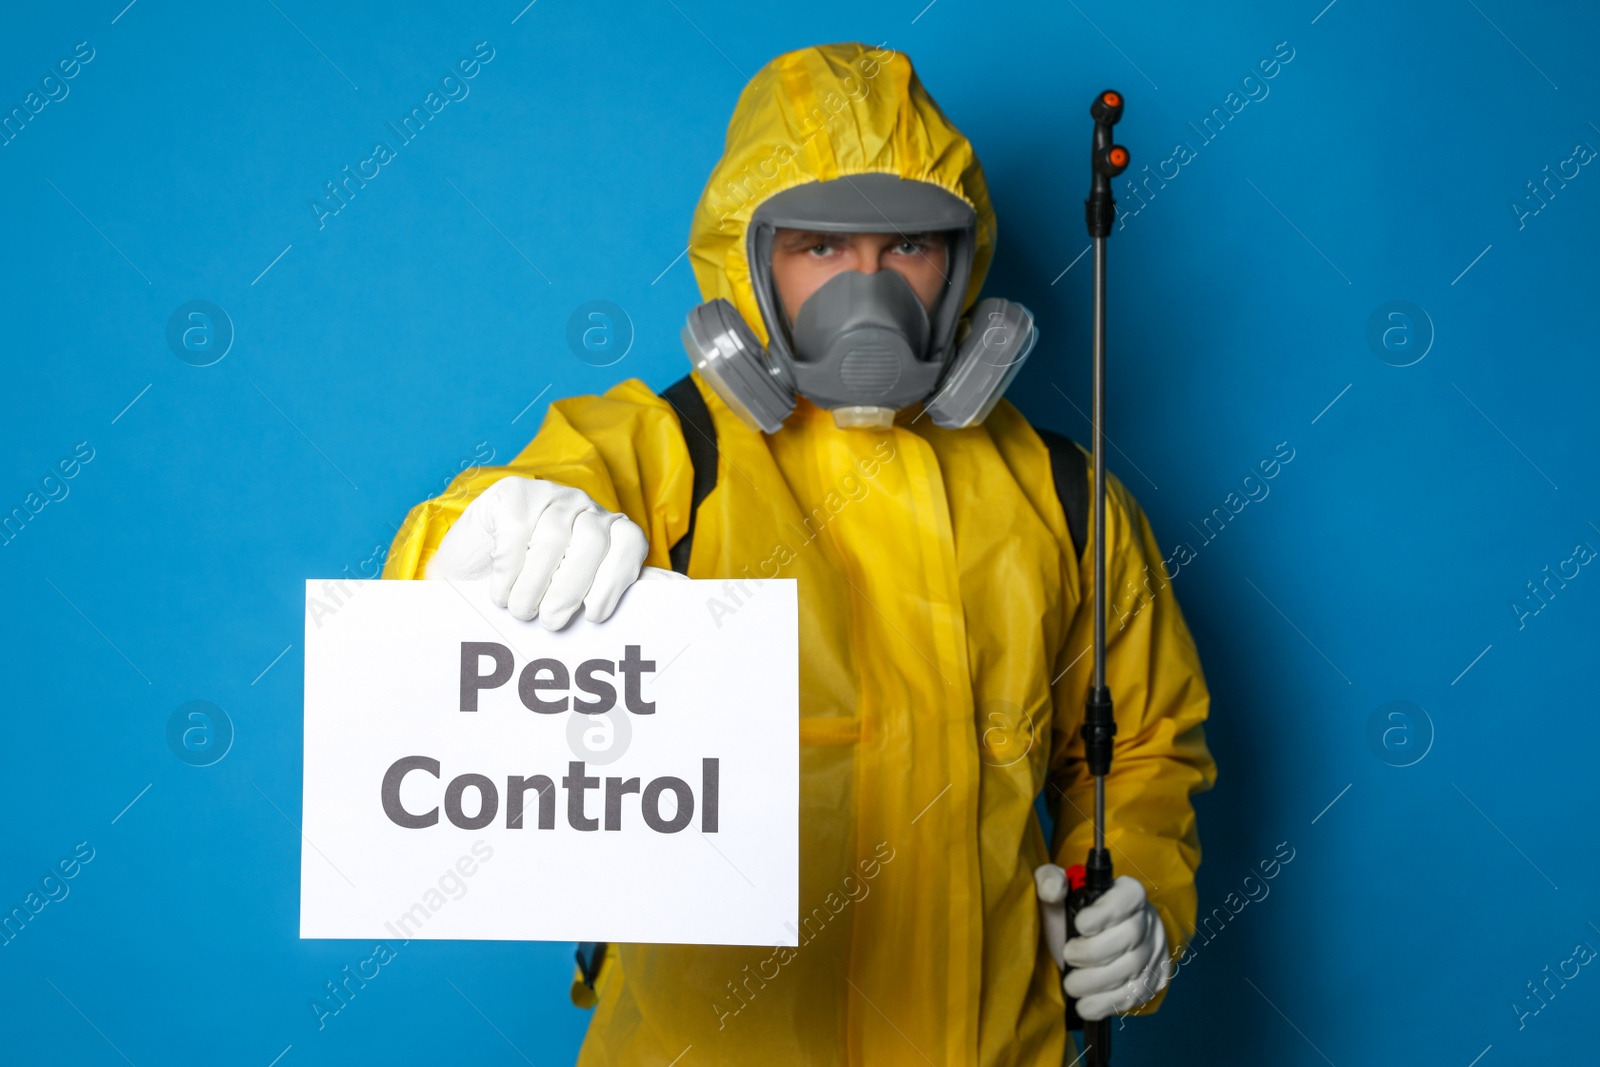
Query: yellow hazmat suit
[(944, 657)]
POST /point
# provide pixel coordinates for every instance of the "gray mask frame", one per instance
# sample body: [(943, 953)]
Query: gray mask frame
[(867, 347), (862, 203)]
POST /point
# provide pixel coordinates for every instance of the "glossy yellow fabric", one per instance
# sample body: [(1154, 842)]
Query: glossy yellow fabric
[(943, 664)]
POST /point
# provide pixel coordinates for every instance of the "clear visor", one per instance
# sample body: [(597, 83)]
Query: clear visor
[(803, 260)]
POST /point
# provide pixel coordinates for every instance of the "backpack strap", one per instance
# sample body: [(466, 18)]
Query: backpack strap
[(591, 956), (1069, 466), (700, 436)]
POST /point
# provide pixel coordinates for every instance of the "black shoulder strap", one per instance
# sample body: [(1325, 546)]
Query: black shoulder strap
[(700, 436), (591, 954), (1070, 467)]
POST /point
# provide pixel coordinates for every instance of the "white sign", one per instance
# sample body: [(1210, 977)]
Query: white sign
[(468, 775)]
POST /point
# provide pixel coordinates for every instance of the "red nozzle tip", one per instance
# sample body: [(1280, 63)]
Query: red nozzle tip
[(1076, 876), (1112, 97), (1119, 156)]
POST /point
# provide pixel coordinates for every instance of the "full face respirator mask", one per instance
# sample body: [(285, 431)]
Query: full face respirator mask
[(863, 346)]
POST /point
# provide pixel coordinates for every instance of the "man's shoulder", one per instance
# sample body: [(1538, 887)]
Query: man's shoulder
[(1071, 466), (1007, 424), (627, 403), (627, 393)]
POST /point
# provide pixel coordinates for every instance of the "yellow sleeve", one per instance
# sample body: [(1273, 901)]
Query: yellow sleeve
[(624, 449), (1160, 700)]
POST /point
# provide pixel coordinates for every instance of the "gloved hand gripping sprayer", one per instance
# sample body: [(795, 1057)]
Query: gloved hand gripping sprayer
[(1088, 882)]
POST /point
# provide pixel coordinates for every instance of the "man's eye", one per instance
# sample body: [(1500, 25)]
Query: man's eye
[(911, 248)]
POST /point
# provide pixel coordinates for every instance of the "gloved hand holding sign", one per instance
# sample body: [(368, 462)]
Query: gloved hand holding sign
[(546, 549), (1120, 957)]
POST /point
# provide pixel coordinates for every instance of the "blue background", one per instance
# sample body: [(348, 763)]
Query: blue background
[(425, 325)]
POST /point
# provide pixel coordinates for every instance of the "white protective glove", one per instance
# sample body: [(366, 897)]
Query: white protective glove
[(546, 549), (1119, 960)]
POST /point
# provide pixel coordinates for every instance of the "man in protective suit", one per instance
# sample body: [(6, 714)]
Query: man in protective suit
[(851, 391)]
